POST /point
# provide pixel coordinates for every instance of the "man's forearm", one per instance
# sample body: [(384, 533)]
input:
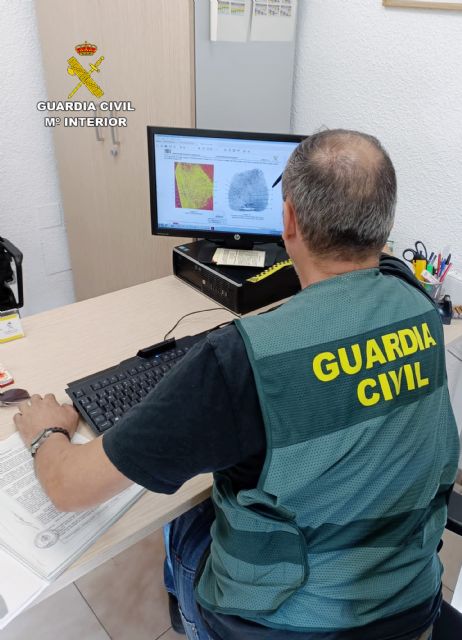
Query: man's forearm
[(50, 464), (77, 477)]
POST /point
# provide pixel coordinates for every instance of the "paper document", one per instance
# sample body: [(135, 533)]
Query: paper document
[(230, 20), (273, 20), (455, 348), (32, 530), (18, 588), (239, 258)]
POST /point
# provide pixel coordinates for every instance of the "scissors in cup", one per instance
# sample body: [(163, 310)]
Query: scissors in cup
[(418, 257)]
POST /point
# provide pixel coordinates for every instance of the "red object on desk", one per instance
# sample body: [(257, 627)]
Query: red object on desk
[(6, 378)]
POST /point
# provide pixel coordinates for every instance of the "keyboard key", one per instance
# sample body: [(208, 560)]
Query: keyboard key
[(133, 371), (113, 379), (121, 376), (105, 425), (96, 386), (79, 394), (95, 412), (91, 406), (147, 365), (85, 400), (105, 382), (99, 419)]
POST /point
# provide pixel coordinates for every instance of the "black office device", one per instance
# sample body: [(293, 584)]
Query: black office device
[(223, 187), (217, 185), (9, 256), (104, 397), (240, 289)]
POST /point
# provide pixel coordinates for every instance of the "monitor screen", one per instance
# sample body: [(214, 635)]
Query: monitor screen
[(216, 184)]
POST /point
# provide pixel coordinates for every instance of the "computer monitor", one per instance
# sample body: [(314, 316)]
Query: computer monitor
[(217, 185)]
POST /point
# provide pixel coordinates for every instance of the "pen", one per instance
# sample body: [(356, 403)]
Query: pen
[(438, 265), (277, 181), (442, 267), (430, 259), (445, 272)]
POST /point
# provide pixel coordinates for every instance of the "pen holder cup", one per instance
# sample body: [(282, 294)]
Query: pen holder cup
[(435, 291)]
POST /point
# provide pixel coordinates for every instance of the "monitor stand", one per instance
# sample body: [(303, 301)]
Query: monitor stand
[(207, 249)]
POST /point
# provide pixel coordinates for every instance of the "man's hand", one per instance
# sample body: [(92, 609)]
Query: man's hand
[(40, 413)]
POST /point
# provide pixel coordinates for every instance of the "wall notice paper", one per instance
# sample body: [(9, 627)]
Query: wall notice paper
[(45, 540), (273, 20), (19, 587), (230, 20), (239, 258)]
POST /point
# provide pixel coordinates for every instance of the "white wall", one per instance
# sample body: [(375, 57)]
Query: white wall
[(30, 201), (396, 74), (392, 72)]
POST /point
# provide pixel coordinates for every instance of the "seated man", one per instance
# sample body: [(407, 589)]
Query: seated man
[(326, 422)]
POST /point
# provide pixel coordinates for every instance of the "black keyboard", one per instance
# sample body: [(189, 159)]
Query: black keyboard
[(104, 397)]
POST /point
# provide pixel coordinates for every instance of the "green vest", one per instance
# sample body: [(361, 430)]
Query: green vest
[(362, 449)]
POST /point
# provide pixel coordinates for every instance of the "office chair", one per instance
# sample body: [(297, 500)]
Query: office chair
[(449, 624)]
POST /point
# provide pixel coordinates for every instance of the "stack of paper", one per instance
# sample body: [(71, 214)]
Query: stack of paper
[(37, 542)]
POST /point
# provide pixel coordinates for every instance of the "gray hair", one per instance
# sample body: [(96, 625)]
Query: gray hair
[(342, 185)]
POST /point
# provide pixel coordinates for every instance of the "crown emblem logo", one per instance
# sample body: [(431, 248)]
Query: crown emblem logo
[(84, 75), (86, 49)]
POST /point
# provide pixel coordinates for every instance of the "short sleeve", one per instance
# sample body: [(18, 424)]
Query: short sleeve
[(187, 425)]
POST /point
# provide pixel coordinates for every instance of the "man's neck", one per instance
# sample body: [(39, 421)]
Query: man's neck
[(314, 269)]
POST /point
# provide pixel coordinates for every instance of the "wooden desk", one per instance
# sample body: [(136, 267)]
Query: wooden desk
[(71, 342)]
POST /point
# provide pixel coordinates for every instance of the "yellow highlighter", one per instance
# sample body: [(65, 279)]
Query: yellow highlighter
[(420, 264)]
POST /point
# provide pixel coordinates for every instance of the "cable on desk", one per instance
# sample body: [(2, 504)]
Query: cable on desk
[(201, 311)]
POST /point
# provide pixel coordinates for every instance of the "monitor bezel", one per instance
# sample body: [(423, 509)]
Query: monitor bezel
[(209, 133)]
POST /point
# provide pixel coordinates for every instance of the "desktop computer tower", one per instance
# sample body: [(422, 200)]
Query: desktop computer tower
[(231, 286)]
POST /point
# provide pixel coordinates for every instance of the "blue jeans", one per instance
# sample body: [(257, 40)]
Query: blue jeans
[(186, 540)]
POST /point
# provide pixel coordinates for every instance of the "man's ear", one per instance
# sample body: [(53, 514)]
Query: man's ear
[(290, 221)]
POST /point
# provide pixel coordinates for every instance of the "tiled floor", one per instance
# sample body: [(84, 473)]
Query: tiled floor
[(124, 599)]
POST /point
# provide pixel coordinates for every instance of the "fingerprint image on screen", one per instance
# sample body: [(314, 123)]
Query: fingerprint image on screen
[(193, 186), (248, 191)]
